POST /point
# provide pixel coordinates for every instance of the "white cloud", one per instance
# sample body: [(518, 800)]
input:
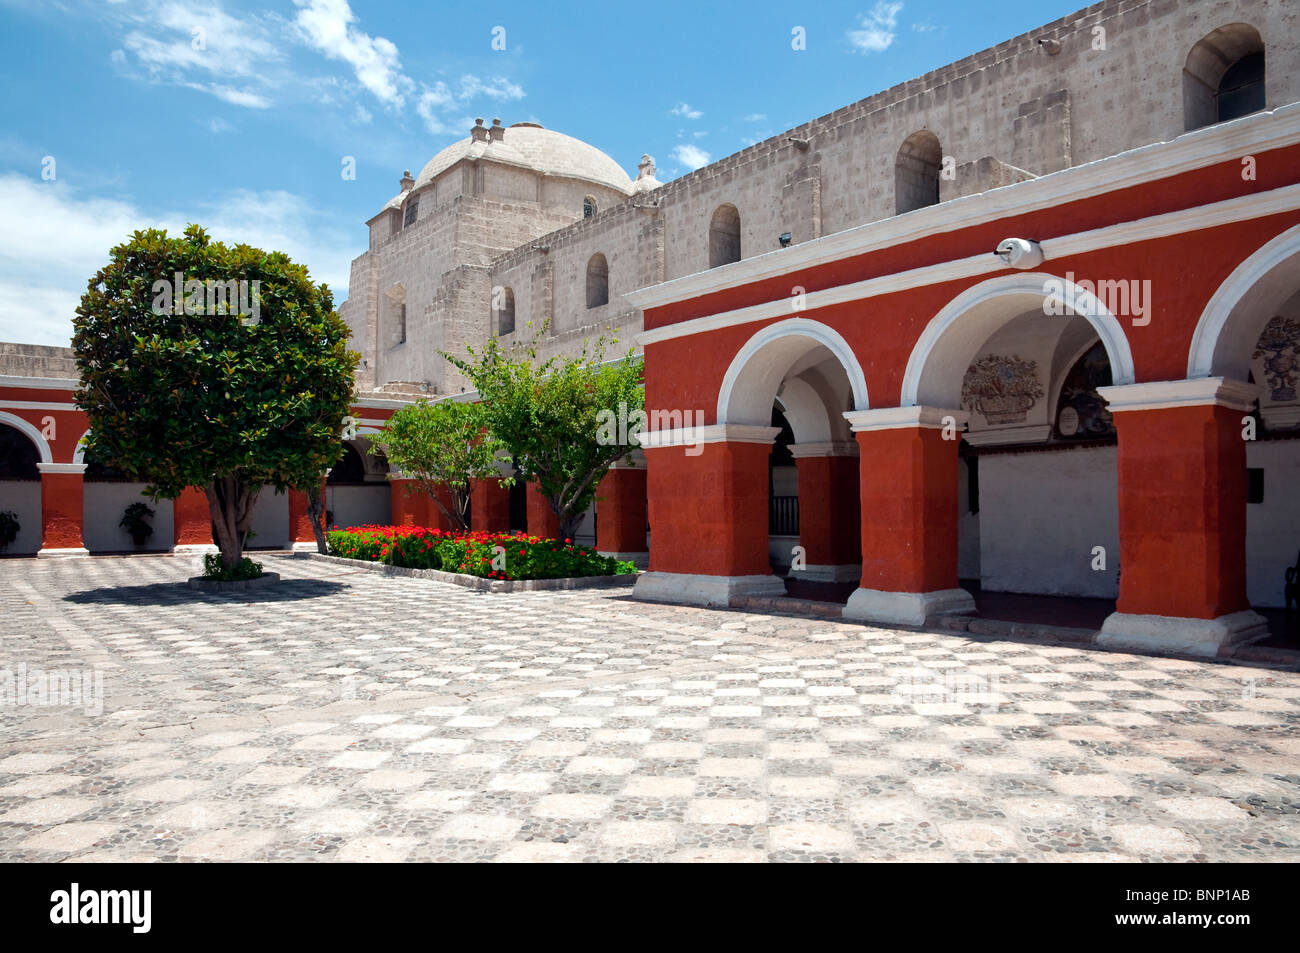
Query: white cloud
[(326, 25), (755, 117), (437, 100), (685, 111), (472, 87), (877, 28), (53, 240), (926, 27), (693, 157), (236, 97)]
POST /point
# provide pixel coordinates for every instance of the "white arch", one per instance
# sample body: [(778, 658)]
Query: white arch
[(755, 374), (80, 455), (810, 419), (30, 431), (964, 323), (1260, 283)]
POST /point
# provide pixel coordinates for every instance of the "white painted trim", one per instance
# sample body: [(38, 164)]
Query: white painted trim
[(1143, 166), (701, 590), (1242, 208), (898, 418), (36, 405), (1163, 395), (997, 436), (77, 468), (828, 448), (80, 455), (1213, 320), (824, 335), (713, 433), (1030, 284), (71, 552), (906, 608), (30, 431), (39, 383)]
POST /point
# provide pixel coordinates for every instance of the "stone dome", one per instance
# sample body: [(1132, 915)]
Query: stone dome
[(528, 145)]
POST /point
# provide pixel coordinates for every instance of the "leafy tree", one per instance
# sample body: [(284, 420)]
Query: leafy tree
[(549, 416), (182, 390), (442, 445)]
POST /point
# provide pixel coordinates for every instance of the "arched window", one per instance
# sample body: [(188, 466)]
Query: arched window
[(1224, 76), (724, 236), (916, 172), (588, 207), (597, 281), (412, 211), (18, 455), (505, 309)]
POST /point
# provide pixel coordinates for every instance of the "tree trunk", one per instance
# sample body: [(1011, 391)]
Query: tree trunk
[(230, 502), (316, 513)]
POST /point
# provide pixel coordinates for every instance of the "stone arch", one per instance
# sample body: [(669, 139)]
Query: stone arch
[(597, 281), (724, 236), (505, 313), (80, 455), (750, 385), (27, 429), (1223, 77), (1231, 323), (916, 172), (938, 362)]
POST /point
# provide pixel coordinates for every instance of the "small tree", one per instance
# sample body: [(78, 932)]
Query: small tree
[(442, 445), (186, 386), (549, 416)]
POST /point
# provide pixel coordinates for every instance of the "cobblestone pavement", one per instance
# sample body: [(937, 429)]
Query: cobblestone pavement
[(350, 716)]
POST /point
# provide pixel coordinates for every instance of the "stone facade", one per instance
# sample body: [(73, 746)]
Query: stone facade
[(1035, 104)]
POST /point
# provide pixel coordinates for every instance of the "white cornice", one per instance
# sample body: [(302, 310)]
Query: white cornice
[(898, 418), (35, 405), (61, 467), (1255, 205), (39, 383), (830, 448), (1198, 392), (714, 433), (1249, 135)]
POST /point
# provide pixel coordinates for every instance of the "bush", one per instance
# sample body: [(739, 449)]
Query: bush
[(489, 555), (8, 527), (244, 569)]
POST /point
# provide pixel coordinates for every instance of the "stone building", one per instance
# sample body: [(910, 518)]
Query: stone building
[(1001, 328)]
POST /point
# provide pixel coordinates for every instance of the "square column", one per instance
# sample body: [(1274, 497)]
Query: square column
[(1182, 516), (302, 538), (542, 520), (830, 530), (621, 514), (62, 510), (908, 478), (489, 504), (707, 490), (192, 523), (411, 506)]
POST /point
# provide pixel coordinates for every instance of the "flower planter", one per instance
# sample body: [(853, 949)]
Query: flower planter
[(233, 585), (479, 582)]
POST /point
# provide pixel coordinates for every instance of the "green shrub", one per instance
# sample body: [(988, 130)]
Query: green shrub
[(244, 569)]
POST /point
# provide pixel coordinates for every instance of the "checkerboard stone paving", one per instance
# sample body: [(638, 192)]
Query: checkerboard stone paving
[(347, 716)]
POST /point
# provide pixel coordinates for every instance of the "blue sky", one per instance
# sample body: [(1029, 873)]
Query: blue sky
[(238, 116)]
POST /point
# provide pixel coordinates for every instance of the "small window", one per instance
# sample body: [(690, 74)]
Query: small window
[(916, 172), (597, 281), (505, 308), (1223, 77), (412, 210), (588, 207), (724, 236)]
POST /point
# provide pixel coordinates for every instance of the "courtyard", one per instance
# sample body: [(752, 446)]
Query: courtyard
[(348, 716)]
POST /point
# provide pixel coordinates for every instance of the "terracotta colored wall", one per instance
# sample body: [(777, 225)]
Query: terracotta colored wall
[(621, 512), (192, 518), (489, 506), (708, 513), (1182, 512), (542, 520), (61, 510), (829, 508), (300, 530), (909, 510)]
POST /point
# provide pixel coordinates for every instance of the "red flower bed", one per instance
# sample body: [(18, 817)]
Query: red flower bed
[(490, 555)]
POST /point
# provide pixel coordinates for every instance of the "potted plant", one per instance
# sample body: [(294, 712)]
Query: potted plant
[(9, 528), (135, 521)]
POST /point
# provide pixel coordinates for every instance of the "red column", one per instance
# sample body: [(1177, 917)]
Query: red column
[(1182, 515), (542, 520), (191, 521), (489, 506), (621, 512), (62, 509), (708, 502), (908, 478), (300, 529), (830, 530), (410, 507)]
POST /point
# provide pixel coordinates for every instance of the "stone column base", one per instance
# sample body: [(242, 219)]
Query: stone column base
[(698, 590), (1163, 633), (62, 553), (303, 546), (906, 608), (195, 549), (640, 560), (844, 572)]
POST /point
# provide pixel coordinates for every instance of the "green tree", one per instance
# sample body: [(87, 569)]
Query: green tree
[(182, 389), (442, 445), (548, 416)]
